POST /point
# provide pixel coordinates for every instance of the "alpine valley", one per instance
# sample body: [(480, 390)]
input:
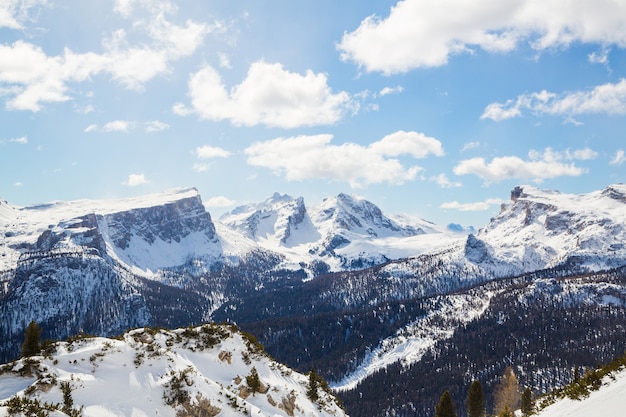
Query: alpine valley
[(391, 310)]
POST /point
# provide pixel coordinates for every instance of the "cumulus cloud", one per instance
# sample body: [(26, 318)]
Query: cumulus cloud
[(33, 78), (619, 158), (539, 166), (135, 180), (269, 95), (477, 206), (425, 33), (607, 98), (219, 201), (117, 126), (207, 152), (314, 157)]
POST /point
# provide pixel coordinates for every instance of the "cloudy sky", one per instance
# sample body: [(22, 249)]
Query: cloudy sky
[(434, 108)]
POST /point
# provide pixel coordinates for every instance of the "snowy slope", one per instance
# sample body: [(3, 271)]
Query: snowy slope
[(159, 372), (608, 401)]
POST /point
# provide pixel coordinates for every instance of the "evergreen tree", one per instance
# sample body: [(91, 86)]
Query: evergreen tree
[(476, 400), (313, 385), (253, 381), (445, 408), (507, 393), (32, 340), (527, 402), (68, 401)]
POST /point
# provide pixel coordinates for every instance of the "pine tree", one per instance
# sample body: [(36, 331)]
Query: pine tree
[(445, 408), (313, 385), (68, 402), (507, 393), (253, 381), (475, 400), (527, 402), (32, 340)]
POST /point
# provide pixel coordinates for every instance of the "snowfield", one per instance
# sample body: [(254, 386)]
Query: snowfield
[(159, 372)]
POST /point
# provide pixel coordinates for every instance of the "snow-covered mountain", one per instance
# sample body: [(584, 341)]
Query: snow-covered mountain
[(143, 234), (345, 232), (203, 371), (540, 229)]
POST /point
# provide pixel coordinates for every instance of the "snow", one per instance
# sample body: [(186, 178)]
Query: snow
[(609, 401), (133, 376)]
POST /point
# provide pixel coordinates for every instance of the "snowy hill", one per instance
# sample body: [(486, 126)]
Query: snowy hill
[(203, 371), (608, 401)]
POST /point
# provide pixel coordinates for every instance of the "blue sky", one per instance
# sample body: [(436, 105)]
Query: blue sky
[(434, 108)]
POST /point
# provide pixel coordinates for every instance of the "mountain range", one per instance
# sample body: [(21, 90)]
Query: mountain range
[(340, 286)]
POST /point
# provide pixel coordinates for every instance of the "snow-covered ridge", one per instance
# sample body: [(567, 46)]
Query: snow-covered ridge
[(342, 231), (193, 371), (143, 233), (539, 229), (159, 231)]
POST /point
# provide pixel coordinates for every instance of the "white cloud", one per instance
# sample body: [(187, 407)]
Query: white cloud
[(154, 126), (415, 144), (18, 184), (470, 145), (600, 57), (619, 158), (125, 126), (135, 180), (313, 157), (540, 166), (207, 152), (607, 98), (14, 12), (425, 33), (391, 90), (33, 78), (444, 182), (477, 206), (118, 126), (269, 95), (219, 201), (197, 167), (224, 60), (22, 140)]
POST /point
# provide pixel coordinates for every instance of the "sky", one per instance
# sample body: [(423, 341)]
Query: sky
[(432, 108)]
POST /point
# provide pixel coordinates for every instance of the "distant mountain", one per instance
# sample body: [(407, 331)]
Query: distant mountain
[(343, 232), (203, 371)]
